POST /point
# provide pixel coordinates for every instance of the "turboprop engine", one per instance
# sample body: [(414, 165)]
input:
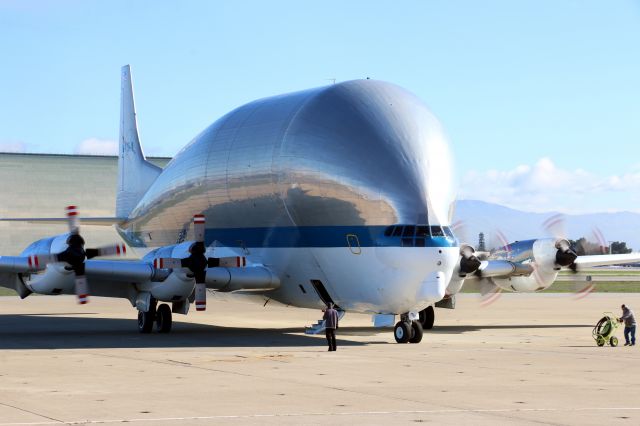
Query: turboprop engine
[(61, 261), (523, 266)]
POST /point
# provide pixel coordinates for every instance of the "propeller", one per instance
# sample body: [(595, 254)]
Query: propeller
[(469, 262), (566, 254), (75, 255), (198, 263)]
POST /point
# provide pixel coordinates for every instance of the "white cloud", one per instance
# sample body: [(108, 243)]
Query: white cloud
[(97, 146), (12, 146), (545, 187)]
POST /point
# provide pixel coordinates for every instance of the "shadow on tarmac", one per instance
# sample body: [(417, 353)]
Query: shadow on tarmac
[(456, 329), (76, 331)]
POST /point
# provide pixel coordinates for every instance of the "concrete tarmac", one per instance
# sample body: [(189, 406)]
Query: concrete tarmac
[(524, 359)]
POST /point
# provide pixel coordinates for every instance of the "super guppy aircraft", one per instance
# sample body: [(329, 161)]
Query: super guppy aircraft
[(337, 194)]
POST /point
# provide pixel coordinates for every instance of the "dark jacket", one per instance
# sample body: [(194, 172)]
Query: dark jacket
[(330, 318)]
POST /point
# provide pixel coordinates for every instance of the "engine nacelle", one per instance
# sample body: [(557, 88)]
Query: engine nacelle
[(49, 245), (177, 286), (177, 251), (543, 256), (57, 278)]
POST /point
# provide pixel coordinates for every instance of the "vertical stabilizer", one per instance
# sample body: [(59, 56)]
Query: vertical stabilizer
[(135, 173)]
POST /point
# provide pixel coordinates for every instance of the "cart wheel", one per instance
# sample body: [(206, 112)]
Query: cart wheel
[(613, 341), (600, 341)]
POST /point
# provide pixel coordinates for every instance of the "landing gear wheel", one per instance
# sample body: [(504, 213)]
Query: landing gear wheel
[(163, 318), (427, 317), (145, 321), (600, 341), (613, 341), (416, 327), (402, 332)]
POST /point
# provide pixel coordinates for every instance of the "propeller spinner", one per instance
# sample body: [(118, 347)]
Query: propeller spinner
[(198, 263)]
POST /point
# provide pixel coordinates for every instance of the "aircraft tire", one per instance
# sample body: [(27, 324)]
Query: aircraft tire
[(402, 332), (163, 318), (427, 317), (145, 321), (416, 336)]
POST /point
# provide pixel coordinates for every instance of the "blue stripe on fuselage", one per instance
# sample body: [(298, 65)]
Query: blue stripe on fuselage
[(314, 236), (305, 236)]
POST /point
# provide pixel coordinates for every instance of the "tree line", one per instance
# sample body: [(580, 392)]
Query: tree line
[(584, 247)]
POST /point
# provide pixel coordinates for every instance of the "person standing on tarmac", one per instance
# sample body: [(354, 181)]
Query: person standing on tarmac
[(330, 325), (629, 325)]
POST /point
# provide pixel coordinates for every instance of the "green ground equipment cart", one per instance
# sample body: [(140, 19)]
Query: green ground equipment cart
[(605, 329)]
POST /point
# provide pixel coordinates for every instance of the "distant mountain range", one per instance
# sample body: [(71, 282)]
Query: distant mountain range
[(475, 216)]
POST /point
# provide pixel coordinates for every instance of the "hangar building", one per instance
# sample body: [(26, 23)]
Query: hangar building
[(42, 185)]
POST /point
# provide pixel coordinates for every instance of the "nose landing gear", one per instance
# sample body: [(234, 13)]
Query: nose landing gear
[(408, 331)]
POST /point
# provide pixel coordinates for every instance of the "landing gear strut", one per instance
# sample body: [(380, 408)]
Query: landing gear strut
[(407, 331)]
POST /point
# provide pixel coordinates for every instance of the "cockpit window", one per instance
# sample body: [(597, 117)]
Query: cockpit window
[(437, 231), (448, 232), (397, 231), (408, 231), (422, 231), (389, 231)]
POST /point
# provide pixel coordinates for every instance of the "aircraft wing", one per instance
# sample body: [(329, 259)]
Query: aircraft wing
[(607, 259), (95, 221)]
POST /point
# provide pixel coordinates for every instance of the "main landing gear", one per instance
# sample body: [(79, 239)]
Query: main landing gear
[(407, 331), (160, 315)]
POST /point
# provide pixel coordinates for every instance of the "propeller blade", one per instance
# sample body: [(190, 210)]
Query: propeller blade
[(555, 226), (489, 292), (72, 217), (168, 263), (201, 296), (227, 262), (38, 262), (198, 228), (117, 249), (82, 289)]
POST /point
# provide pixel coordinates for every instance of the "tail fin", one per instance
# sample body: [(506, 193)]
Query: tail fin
[(135, 173)]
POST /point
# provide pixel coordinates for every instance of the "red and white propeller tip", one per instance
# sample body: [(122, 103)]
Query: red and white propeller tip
[(199, 227), (72, 217)]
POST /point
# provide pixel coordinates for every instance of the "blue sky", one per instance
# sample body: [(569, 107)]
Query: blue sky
[(540, 99)]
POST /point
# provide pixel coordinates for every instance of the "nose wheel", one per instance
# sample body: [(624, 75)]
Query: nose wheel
[(407, 331)]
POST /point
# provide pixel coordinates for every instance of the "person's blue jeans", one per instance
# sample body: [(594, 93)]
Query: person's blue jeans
[(630, 331)]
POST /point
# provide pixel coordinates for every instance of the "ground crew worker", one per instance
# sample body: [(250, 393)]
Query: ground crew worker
[(629, 325), (330, 325)]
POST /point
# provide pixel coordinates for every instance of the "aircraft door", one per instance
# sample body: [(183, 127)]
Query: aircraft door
[(354, 244)]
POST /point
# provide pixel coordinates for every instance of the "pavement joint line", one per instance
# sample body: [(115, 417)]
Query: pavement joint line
[(316, 414), (30, 412), (216, 370)]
